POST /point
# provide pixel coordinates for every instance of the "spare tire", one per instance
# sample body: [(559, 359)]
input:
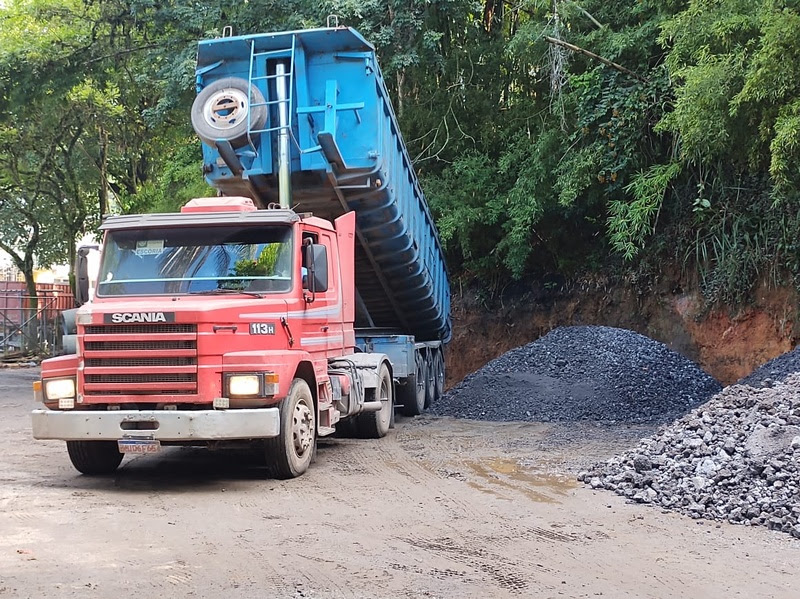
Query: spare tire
[(220, 111)]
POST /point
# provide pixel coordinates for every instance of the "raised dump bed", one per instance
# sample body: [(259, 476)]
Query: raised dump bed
[(315, 101)]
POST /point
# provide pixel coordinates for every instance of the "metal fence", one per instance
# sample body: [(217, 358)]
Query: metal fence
[(25, 329)]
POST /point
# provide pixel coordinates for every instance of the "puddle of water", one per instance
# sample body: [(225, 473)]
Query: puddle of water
[(510, 474), (483, 489)]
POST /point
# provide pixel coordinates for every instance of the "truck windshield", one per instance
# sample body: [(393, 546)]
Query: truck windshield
[(184, 260)]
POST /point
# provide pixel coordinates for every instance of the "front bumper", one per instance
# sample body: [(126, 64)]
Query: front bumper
[(163, 425)]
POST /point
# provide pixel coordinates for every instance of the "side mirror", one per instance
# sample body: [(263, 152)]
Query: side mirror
[(82, 276), (316, 260)]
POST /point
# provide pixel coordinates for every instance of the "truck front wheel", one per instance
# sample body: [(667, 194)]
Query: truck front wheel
[(290, 453), (94, 457)]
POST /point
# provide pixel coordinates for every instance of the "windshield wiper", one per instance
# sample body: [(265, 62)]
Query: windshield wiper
[(220, 291)]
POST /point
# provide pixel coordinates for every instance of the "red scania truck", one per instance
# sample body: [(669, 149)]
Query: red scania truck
[(311, 294)]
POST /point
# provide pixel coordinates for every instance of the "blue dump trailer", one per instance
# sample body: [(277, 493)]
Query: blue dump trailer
[(303, 120)]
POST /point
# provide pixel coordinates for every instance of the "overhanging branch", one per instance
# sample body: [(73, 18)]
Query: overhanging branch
[(592, 55)]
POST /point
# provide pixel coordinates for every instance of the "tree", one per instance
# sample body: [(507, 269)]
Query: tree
[(550, 135), (733, 63), (31, 231)]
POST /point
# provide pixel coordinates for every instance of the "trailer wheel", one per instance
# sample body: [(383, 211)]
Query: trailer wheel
[(290, 453), (374, 425), (438, 374), (94, 457), (221, 111), (414, 395), (430, 380)]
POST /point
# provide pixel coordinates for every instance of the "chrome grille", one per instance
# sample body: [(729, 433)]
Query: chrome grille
[(177, 361), (139, 329), (137, 345), (141, 378), (140, 359)]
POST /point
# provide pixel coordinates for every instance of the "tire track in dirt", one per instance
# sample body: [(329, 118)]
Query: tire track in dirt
[(511, 484), (455, 494), (504, 572), (429, 473), (411, 479), (176, 572)]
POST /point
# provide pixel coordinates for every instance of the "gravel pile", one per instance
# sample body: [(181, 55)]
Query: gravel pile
[(774, 370), (582, 373), (736, 458)]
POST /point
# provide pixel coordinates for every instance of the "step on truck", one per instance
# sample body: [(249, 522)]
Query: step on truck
[(310, 296)]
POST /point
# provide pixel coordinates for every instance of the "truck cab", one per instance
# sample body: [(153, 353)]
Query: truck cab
[(219, 324)]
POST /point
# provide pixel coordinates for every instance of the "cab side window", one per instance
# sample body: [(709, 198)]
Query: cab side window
[(306, 239)]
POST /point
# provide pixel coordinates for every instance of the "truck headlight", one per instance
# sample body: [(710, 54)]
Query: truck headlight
[(56, 389), (244, 385), (249, 385)]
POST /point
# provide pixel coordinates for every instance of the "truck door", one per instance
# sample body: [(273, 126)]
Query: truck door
[(322, 330)]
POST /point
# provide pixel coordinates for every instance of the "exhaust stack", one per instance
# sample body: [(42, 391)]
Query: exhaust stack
[(284, 156)]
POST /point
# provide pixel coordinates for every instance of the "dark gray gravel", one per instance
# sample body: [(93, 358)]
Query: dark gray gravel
[(774, 370), (736, 458), (582, 373)]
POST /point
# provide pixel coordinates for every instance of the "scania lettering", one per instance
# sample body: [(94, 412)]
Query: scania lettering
[(311, 295), (138, 317)]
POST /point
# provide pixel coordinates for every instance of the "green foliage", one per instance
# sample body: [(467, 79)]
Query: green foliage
[(534, 158), (462, 196), (701, 116), (631, 223), (753, 239), (527, 166), (180, 179), (785, 149), (735, 119)]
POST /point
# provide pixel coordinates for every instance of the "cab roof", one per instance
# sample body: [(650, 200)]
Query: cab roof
[(194, 219)]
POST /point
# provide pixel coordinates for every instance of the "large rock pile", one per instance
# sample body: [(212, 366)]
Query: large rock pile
[(582, 373), (736, 458)]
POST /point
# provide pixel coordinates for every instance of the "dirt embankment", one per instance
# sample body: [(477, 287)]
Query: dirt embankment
[(727, 344)]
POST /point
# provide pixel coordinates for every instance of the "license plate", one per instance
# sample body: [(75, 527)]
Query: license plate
[(139, 446)]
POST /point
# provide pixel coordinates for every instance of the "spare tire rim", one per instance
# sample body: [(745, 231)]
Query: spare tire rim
[(226, 109)]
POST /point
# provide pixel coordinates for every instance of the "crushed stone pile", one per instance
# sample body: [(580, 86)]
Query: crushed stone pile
[(575, 373), (736, 458), (774, 371)]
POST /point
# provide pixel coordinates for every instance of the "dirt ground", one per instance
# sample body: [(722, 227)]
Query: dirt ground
[(439, 508)]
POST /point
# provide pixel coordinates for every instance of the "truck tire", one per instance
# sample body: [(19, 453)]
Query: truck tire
[(438, 374), (221, 110), (94, 457), (374, 425), (291, 452), (430, 380), (414, 394)]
